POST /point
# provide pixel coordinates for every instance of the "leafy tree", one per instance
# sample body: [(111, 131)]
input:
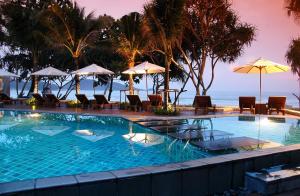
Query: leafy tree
[(293, 8), (20, 20), (164, 20), (213, 33), (71, 29), (131, 40), (293, 58), (293, 53)]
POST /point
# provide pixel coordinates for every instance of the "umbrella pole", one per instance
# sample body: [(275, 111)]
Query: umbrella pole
[(94, 84), (260, 85), (147, 83)]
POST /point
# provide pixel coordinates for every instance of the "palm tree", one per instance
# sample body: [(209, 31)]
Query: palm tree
[(164, 20), (293, 58), (22, 23), (69, 28), (131, 41), (293, 7)]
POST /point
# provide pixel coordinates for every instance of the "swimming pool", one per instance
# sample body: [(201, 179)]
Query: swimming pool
[(34, 145)]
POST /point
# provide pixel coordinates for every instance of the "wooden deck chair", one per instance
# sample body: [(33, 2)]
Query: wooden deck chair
[(276, 104), (52, 100), (155, 101), (204, 103), (101, 101), (4, 98), (40, 101), (84, 101), (247, 103), (136, 103)]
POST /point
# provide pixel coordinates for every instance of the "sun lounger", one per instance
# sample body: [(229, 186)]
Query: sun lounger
[(101, 101), (247, 103), (84, 101), (276, 104), (4, 98), (136, 103), (204, 103), (156, 101), (52, 100), (40, 101)]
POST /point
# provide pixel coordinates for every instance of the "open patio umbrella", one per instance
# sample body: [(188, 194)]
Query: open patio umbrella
[(93, 70), (47, 72), (4, 73), (261, 66), (145, 68)]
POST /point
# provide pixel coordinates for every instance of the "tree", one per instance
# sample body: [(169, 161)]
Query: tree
[(164, 20), (131, 40), (20, 20), (293, 58), (69, 28), (293, 53), (293, 8), (213, 33)]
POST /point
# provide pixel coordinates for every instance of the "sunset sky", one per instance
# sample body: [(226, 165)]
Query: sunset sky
[(275, 31)]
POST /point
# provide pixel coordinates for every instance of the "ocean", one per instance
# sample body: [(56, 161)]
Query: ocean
[(220, 98)]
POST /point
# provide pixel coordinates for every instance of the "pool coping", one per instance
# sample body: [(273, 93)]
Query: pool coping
[(211, 167)]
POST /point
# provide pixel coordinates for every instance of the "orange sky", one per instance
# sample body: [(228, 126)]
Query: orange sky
[(275, 30)]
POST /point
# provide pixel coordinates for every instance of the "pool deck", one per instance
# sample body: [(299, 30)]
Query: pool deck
[(185, 112)]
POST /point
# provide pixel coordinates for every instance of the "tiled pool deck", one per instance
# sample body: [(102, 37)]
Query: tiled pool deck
[(198, 177)]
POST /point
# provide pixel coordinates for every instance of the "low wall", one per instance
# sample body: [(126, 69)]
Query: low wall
[(198, 177)]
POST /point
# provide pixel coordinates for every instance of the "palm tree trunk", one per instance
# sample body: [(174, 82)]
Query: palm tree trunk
[(34, 84), (110, 88), (131, 87), (77, 80), (167, 80)]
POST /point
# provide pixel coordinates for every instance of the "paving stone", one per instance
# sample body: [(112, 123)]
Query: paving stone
[(25, 187)]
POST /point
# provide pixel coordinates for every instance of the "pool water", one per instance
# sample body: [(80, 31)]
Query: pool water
[(44, 145)]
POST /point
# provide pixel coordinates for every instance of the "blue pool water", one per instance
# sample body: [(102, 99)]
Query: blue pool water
[(44, 145), (33, 146)]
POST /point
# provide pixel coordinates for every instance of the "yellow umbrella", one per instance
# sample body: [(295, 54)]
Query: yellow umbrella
[(261, 66)]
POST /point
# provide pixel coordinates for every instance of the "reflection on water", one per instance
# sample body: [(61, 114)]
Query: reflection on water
[(293, 135), (44, 145)]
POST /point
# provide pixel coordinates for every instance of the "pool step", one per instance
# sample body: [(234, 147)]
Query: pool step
[(229, 143), (200, 134), (174, 128), (162, 123)]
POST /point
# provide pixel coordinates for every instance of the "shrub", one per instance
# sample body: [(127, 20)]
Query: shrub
[(72, 104), (31, 101), (170, 111)]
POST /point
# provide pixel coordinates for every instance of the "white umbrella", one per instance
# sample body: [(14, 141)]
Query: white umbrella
[(4, 73), (145, 68), (49, 71), (261, 66), (93, 70)]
